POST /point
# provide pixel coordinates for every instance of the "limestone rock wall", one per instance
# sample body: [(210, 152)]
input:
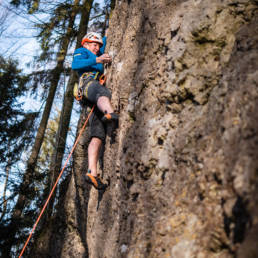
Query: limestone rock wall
[(183, 164)]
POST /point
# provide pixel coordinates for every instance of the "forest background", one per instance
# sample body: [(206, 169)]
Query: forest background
[(38, 120)]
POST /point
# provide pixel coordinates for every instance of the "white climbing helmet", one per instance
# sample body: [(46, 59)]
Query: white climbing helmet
[(92, 37)]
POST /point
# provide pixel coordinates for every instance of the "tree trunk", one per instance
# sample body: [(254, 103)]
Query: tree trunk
[(7, 170), (112, 4), (65, 117), (28, 175), (59, 231)]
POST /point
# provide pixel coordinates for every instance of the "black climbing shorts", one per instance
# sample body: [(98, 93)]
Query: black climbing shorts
[(97, 127), (93, 90)]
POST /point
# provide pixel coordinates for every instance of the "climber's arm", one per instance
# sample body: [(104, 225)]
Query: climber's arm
[(83, 61)]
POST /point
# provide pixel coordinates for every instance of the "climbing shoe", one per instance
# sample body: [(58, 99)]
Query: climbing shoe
[(95, 181), (109, 117)]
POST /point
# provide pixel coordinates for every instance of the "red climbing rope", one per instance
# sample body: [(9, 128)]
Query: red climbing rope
[(45, 205)]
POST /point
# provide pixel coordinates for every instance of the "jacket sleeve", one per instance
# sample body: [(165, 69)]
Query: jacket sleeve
[(82, 61)]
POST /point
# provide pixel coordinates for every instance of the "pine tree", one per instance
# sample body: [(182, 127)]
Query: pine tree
[(56, 163), (15, 124), (63, 21)]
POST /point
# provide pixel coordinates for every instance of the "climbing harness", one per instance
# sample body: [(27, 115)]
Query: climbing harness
[(85, 81), (102, 79), (54, 187)]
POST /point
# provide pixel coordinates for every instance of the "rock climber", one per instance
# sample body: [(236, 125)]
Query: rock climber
[(89, 62)]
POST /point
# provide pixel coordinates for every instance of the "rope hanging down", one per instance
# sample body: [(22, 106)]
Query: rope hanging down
[(46, 203)]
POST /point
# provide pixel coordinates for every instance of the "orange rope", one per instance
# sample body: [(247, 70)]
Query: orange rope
[(45, 205)]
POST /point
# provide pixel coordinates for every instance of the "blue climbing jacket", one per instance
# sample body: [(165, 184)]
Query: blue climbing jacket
[(85, 61)]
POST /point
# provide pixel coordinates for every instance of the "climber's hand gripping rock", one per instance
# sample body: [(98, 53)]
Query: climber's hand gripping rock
[(104, 59)]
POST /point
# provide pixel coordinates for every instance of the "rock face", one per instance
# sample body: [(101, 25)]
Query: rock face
[(183, 165)]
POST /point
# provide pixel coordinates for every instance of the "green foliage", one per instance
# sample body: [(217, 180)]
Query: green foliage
[(16, 129), (51, 33), (49, 143), (15, 124), (100, 16), (32, 5)]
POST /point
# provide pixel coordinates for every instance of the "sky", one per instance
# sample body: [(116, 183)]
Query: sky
[(17, 40)]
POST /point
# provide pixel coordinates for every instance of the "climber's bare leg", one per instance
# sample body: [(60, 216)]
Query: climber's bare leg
[(93, 154), (104, 105)]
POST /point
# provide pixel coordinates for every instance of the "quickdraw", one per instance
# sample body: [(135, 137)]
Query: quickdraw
[(102, 79)]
